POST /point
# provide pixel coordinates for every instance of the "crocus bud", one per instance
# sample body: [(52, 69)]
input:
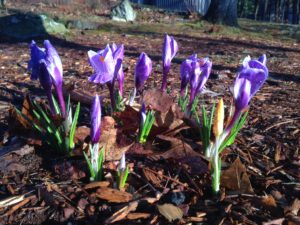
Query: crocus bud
[(241, 93), (143, 116), (219, 119), (255, 71), (170, 49), (142, 70), (122, 164), (103, 64), (252, 75), (95, 120)]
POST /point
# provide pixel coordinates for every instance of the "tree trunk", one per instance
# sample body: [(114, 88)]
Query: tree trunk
[(222, 12), (266, 10), (286, 11), (257, 3), (295, 11), (241, 8)]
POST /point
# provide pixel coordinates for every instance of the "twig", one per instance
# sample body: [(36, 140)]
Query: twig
[(278, 124), (17, 206), (171, 179), (70, 203), (200, 193), (158, 193)]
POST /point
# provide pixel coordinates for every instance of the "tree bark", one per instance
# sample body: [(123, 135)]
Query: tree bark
[(222, 12)]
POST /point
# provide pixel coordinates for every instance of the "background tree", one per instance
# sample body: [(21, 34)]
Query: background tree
[(222, 12)]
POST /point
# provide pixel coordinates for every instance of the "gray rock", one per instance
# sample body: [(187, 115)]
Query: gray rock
[(123, 12), (51, 26), (26, 26)]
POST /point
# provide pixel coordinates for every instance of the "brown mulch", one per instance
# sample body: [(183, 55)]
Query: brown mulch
[(168, 178)]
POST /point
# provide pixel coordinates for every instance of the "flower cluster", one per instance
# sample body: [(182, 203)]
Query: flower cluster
[(45, 65)]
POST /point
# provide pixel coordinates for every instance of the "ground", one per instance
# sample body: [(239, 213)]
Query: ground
[(56, 189)]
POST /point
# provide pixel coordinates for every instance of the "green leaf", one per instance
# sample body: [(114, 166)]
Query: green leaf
[(89, 165), (211, 119), (150, 118), (49, 125), (206, 126), (73, 127), (100, 164), (34, 125), (125, 176), (234, 131), (56, 105)]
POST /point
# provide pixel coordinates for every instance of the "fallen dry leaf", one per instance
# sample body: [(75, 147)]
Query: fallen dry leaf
[(157, 100), (18, 121), (177, 149), (113, 195), (113, 140), (81, 134), (130, 119), (170, 212), (236, 179)]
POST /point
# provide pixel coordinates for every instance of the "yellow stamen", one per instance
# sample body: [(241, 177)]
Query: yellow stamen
[(101, 58), (219, 119)]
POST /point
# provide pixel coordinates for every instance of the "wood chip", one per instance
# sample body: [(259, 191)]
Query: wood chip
[(135, 216), (113, 195), (96, 185)]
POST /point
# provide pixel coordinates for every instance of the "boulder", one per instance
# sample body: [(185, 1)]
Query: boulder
[(26, 26), (123, 12)]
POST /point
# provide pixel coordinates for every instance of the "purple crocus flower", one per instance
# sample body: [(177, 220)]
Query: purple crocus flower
[(118, 55), (104, 65), (143, 69), (255, 71), (53, 65), (252, 75), (107, 64), (185, 72), (170, 49), (201, 69), (205, 67), (36, 54), (95, 120), (39, 71)]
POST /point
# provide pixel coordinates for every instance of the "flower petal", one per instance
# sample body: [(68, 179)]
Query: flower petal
[(142, 70), (95, 120), (103, 64)]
